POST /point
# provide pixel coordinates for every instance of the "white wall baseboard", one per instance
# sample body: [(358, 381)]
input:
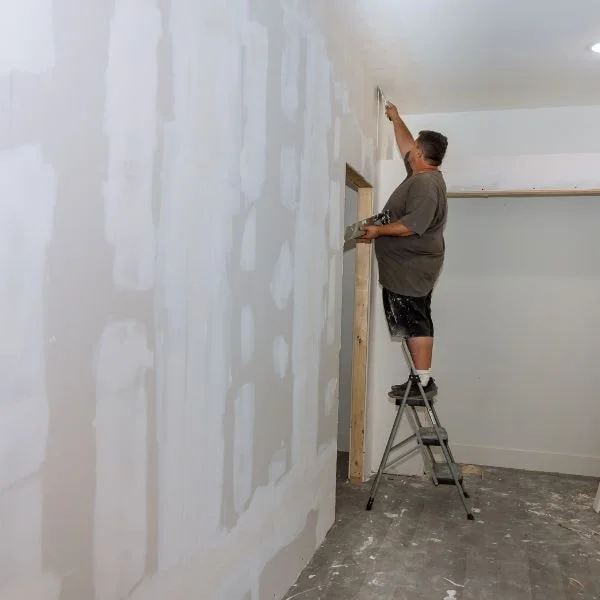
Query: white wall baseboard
[(529, 460)]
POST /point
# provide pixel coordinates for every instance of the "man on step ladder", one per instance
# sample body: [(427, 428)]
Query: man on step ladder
[(410, 253), (410, 249)]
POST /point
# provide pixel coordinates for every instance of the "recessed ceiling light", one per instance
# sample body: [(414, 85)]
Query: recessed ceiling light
[(596, 48)]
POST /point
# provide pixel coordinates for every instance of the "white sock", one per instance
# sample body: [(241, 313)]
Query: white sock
[(424, 376)]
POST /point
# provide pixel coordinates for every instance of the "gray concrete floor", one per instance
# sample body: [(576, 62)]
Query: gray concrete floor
[(535, 537)]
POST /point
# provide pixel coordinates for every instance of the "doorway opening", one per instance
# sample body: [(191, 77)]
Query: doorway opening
[(356, 284)]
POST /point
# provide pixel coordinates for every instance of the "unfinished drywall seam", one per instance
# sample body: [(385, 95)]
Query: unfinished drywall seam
[(248, 250), (283, 278), (331, 395), (247, 334), (311, 268), (27, 37), (281, 353), (256, 60), (193, 293), (120, 538), (289, 162), (27, 186), (130, 125), (331, 299), (290, 61), (336, 205), (243, 447), (28, 191)]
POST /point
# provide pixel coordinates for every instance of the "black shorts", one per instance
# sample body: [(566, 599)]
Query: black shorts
[(408, 316)]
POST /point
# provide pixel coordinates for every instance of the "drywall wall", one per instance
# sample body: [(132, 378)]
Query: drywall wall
[(172, 176), (347, 326), (515, 308)]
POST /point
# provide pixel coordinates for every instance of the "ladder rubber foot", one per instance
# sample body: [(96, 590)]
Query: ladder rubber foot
[(470, 517), (466, 494), (370, 503)]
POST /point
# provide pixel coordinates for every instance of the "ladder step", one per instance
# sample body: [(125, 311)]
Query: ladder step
[(431, 389), (430, 438), (443, 474), (411, 400)]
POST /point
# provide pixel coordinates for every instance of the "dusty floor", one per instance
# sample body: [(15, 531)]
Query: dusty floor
[(535, 537)]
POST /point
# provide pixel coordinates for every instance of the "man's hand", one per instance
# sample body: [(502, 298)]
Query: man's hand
[(391, 112), (371, 232)]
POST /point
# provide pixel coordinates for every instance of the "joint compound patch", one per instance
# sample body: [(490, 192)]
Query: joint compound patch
[(278, 465), (337, 138), (310, 270), (243, 446), (335, 215), (28, 192), (256, 61), (130, 126), (248, 249), (27, 37), (120, 514), (247, 334), (331, 395), (283, 278), (288, 168), (331, 300), (281, 353), (290, 63), (196, 256)]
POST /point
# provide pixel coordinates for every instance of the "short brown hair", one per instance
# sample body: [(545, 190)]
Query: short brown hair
[(434, 146)]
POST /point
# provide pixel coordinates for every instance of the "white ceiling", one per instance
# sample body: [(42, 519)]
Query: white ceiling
[(459, 55)]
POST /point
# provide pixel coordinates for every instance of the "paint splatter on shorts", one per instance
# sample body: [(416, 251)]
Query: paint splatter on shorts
[(408, 316)]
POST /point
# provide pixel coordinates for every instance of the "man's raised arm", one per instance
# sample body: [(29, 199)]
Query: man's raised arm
[(404, 137)]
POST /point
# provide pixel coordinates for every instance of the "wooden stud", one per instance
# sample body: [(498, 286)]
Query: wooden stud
[(356, 181), (361, 338)]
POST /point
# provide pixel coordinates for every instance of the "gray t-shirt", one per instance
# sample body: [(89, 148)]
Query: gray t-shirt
[(410, 265)]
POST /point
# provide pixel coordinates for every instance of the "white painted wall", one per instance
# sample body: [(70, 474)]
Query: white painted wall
[(171, 178), (515, 309), (566, 130), (347, 332)]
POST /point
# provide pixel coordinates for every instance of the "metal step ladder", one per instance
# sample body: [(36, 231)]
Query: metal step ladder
[(426, 437)]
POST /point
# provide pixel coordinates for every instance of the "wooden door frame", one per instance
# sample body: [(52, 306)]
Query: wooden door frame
[(362, 296)]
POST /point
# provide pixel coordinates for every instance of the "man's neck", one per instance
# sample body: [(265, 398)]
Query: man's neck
[(425, 169)]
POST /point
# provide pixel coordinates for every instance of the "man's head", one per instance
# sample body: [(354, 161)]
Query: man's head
[(429, 151)]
